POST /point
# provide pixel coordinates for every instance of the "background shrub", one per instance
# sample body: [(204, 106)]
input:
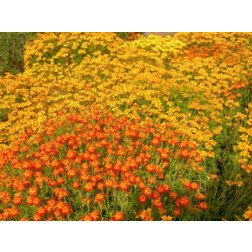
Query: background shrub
[(11, 51)]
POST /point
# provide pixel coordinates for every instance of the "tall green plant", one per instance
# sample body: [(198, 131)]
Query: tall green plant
[(11, 51)]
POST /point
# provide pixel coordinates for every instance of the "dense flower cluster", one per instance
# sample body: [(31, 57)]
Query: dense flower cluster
[(245, 144), (98, 128), (96, 166)]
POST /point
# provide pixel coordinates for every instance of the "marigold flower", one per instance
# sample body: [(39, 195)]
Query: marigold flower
[(118, 216), (55, 163), (26, 165), (86, 218), (248, 214), (183, 201), (71, 154), (25, 148), (33, 191), (41, 211), (29, 200), (155, 142), (194, 186), (177, 211), (166, 218), (17, 200), (200, 196), (99, 197), (157, 203), (66, 210), (89, 186), (203, 206), (173, 195), (142, 198), (76, 185), (145, 215), (36, 201), (187, 184)]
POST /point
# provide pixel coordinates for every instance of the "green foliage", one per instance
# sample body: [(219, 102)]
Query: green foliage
[(125, 35), (19, 98), (11, 51), (228, 201), (3, 115)]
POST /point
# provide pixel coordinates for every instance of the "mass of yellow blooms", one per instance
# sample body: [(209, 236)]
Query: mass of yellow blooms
[(77, 70)]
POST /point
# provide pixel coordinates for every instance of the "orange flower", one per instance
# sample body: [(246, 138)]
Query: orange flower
[(166, 218), (158, 203), (60, 192), (151, 168), (152, 181), (213, 176), (37, 165), (76, 185), (27, 174), (118, 216), (29, 200), (71, 154), (89, 186), (36, 201), (173, 195), (55, 163), (124, 186), (166, 188), (183, 201), (17, 200), (71, 173), (99, 197), (100, 186), (145, 215), (95, 215), (66, 210), (86, 218), (121, 153), (60, 180), (160, 189), (200, 196), (155, 142), (229, 182), (33, 191), (248, 214), (185, 153), (41, 211), (187, 184), (26, 165), (203, 206), (109, 183), (142, 198), (25, 148), (147, 191), (177, 211), (194, 186)]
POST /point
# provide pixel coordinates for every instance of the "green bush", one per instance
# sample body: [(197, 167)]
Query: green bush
[(126, 35), (11, 51), (3, 115)]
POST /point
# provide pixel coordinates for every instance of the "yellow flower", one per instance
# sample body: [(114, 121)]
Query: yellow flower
[(213, 176), (248, 214), (229, 182), (239, 183), (166, 218)]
